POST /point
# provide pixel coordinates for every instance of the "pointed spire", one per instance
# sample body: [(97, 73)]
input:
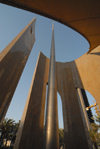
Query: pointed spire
[(52, 27), (52, 51), (51, 135), (52, 32)]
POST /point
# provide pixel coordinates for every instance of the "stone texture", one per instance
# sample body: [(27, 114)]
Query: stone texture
[(32, 124), (88, 67), (69, 79), (74, 129), (82, 73), (12, 62)]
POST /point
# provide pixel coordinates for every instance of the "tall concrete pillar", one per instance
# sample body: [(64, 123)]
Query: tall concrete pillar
[(51, 130), (12, 62), (75, 134), (31, 130)]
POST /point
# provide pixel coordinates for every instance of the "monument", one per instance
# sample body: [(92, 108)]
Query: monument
[(12, 61), (70, 79)]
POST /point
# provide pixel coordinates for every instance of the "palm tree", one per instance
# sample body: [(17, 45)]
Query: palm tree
[(61, 137), (95, 131), (97, 118), (8, 129)]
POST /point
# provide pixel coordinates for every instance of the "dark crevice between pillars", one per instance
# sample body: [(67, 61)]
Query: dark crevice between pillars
[(89, 112)]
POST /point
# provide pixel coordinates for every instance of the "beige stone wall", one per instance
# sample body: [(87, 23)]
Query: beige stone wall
[(81, 73), (70, 76), (88, 67)]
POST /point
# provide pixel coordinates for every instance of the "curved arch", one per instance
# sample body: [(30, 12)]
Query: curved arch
[(88, 67), (84, 16)]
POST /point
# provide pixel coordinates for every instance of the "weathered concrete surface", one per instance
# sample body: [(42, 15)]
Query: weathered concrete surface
[(12, 62), (30, 134), (83, 73), (75, 133), (88, 67), (83, 16)]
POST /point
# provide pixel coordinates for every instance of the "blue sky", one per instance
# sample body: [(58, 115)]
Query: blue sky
[(69, 45)]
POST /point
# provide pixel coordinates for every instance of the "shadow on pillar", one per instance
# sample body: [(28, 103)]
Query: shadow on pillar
[(12, 62), (89, 112), (75, 134), (32, 124)]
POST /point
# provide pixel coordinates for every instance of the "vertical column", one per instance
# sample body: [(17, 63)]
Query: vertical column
[(30, 133), (51, 136), (12, 62), (75, 136)]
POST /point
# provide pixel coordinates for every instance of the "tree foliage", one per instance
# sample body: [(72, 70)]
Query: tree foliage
[(97, 118), (61, 136), (8, 130), (95, 131)]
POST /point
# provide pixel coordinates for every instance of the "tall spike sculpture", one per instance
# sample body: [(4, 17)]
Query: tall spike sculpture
[(31, 129), (12, 62), (51, 136), (64, 78), (83, 73)]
